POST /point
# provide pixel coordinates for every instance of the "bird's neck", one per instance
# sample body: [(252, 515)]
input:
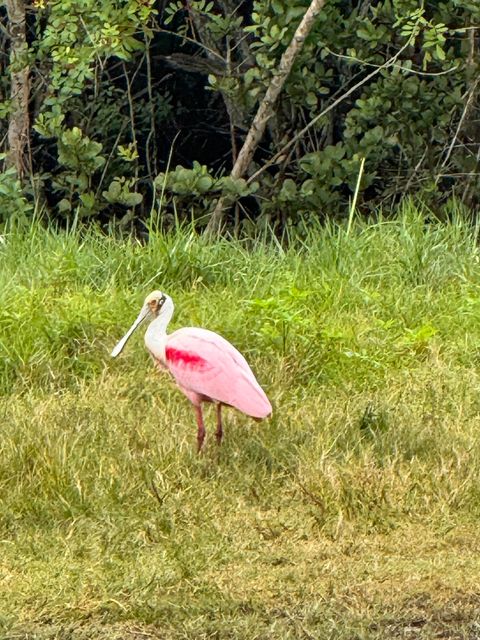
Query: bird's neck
[(156, 333)]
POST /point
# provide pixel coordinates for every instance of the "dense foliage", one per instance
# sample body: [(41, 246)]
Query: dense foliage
[(141, 106)]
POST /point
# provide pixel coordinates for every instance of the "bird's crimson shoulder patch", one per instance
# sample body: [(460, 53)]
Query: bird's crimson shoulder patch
[(185, 358)]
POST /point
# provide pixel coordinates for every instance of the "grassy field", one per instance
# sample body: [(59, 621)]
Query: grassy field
[(351, 514)]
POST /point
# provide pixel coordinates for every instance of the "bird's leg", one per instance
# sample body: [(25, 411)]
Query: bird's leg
[(201, 428), (219, 431)]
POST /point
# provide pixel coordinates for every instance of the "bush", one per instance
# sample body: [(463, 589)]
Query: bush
[(108, 106)]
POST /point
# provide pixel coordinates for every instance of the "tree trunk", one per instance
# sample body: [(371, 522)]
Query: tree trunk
[(18, 126), (266, 110), (215, 55)]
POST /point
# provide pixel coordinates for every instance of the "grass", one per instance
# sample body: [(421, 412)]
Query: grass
[(351, 513)]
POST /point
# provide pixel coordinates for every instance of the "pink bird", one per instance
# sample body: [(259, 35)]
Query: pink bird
[(206, 367)]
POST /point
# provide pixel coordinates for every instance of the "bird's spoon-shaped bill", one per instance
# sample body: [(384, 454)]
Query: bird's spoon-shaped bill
[(118, 348)]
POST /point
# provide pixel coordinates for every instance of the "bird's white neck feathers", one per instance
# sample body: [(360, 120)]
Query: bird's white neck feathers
[(156, 333)]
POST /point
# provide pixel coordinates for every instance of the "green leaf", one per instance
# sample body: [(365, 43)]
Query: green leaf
[(204, 184), (132, 199), (288, 191), (64, 206), (364, 33), (88, 200), (277, 7), (440, 52)]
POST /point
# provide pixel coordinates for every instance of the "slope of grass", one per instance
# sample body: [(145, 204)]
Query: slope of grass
[(351, 513)]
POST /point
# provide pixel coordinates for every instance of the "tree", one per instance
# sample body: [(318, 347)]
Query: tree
[(18, 126)]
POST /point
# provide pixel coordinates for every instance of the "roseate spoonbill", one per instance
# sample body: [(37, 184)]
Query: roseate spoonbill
[(206, 367)]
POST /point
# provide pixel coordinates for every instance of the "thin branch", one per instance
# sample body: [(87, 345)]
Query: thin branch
[(233, 141), (132, 116), (460, 124), (110, 156), (152, 134), (211, 52), (92, 42), (457, 175), (414, 172), (397, 66)]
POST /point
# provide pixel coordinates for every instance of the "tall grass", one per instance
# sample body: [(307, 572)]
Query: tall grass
[(352, 512)]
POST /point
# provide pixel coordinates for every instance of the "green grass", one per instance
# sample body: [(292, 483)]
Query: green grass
[(352, 513)]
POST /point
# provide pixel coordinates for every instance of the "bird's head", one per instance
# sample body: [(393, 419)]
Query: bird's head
[(154, 303), (157, 304)]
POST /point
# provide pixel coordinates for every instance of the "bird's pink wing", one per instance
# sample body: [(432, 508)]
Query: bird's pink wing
[(203, 362)]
